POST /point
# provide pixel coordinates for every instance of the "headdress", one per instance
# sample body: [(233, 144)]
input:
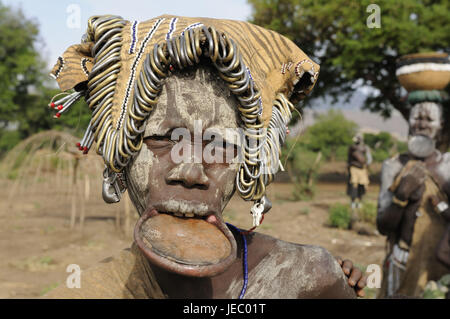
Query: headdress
[(120, 68)]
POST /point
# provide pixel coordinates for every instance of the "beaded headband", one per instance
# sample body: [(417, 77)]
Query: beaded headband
[(120, 69)]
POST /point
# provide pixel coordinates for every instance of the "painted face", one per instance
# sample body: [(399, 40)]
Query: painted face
[(425, 119), (179, 192)]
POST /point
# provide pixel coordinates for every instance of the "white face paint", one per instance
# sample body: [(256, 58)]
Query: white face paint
[(426, 119), (199, 95), (139, 176)]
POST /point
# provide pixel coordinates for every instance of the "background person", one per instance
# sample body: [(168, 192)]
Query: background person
[(413, 207), (359, 157)]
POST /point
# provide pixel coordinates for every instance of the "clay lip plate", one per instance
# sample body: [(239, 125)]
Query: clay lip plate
[(194, 268), (421, 146)]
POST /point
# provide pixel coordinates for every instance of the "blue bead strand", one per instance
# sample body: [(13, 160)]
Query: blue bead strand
[(133, 38), (244, 288)]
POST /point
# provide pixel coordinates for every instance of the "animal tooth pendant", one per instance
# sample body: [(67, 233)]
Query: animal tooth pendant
[(259, 208)]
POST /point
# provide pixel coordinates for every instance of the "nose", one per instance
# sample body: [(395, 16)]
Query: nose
[(190, 175), (422, 124)]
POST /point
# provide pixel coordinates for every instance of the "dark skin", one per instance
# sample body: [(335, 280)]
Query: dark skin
[(356, 279), (212, 185), (216, 287), (410, 189), (411, 186), (357, 153), (400, 205)]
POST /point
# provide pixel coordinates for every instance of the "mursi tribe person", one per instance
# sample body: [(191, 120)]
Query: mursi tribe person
[(359, 157), (144, 81), (413, 209)]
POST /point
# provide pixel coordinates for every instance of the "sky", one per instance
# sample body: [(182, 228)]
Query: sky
[(63, 22)]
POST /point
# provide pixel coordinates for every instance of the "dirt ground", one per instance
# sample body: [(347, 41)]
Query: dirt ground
[(37, 244)]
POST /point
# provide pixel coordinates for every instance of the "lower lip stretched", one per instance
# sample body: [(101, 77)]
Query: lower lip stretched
[(196, 250)]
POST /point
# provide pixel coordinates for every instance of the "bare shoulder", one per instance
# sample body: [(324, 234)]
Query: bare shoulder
[(443, 169), (446, 159), (394, 163), (117, 277), (390, 168), (300, 271), (326, 278)]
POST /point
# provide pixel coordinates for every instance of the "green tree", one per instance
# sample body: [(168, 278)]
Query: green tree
[(383, 145), (25, 90), (20, 64), (329, 136), (331, 133), (336, 35), (302, 165)]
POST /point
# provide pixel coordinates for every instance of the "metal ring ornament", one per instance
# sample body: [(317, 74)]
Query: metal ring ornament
[(118, 146)]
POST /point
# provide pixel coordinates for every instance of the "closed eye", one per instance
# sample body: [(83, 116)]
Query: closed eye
[(158, 142), (223, 150)]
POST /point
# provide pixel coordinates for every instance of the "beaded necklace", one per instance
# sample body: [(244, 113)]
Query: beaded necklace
[(245, 264)]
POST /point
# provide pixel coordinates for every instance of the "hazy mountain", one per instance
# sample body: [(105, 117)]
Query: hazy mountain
[(368, 122)]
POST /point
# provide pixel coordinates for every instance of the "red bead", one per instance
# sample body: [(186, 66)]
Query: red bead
[(171, 67), (60, 107), (78, 145), (58, 115), (52, 105)]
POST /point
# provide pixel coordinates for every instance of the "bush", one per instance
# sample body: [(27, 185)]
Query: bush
[(8, 139), (302, 191), (383, 145), (368, 212), (342, 153), (330, 132), (301, 159), (339, 216), (402, 147), (382, 140), (379, 155), (302, 166)]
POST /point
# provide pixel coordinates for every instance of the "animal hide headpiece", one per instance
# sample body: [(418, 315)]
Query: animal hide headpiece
[(120, 68)]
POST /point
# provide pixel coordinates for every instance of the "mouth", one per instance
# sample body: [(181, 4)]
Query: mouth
[(425, 131), (190, 244)]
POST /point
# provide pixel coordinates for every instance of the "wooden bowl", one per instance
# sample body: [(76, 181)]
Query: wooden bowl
[(424, 71)]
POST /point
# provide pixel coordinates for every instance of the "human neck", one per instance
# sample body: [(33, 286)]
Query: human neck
[(177, 286)]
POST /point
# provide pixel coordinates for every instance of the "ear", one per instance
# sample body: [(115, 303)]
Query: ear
[(74, 66)]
